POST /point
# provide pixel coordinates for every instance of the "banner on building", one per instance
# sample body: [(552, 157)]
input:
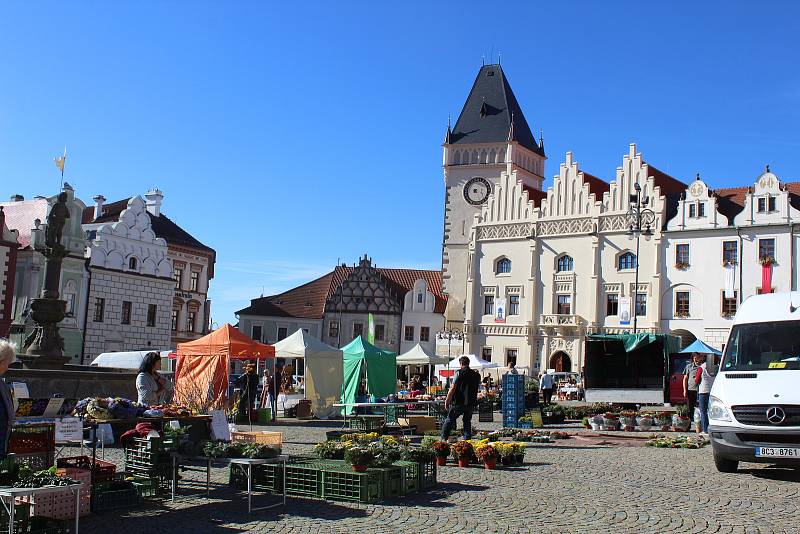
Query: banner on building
[(624, 312), (371, 329), (730, 281), (500, 311)]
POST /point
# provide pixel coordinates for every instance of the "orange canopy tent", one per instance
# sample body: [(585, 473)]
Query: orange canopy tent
[(201, 375)]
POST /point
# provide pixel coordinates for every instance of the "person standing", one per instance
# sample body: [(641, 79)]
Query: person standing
[(690, 385), (546, 384), (709, 373), (248, 385), (152, 388), (512, 368), (461, 399), (7, 355)]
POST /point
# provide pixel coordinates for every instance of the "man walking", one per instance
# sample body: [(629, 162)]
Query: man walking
[(461, 399), (546, 384), (690, 384)]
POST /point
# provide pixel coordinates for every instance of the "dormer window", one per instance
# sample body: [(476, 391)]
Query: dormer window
[(697, 210), (132, 264), (766, 204)]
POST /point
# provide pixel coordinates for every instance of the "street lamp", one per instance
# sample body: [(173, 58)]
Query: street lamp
[(449, 334), (640, 223)]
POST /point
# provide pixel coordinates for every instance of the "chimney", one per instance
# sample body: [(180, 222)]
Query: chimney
[(17, 198), (154, 198), (98, 206)]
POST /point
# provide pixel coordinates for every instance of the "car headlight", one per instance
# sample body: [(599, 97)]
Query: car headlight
[(717, 410)]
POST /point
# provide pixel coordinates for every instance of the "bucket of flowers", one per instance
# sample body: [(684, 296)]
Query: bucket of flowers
[(487, 454), (359, 457), (596, 422), (663, 421), (610, 421), (628, 421), (463, 452), (442, 451), (681, 421), (645, 422)]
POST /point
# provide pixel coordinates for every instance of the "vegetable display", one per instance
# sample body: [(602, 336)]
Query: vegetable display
[(44, 478), (221, 449)]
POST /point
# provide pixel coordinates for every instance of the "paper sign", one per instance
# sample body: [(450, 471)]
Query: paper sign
[(777, 365), (69, 429), (175, 424), (624, 310), (53, 407), (219, 426)]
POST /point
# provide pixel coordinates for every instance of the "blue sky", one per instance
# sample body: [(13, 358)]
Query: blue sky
[(287, 136)]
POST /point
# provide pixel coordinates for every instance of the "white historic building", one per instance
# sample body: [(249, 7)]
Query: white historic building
[(535, 271), (726, 239), (132, 285)]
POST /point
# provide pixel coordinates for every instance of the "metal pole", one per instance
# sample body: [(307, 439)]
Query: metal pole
[(636, 283)]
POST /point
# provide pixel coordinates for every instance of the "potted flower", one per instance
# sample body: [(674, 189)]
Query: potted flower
[(663, 421), (628, 421), (506, 452), (610, 421), (442, 451), (596, 422), (463, 452), (359, 457), (681, 421), (645, 422), (767, 260), (585, 423), (519, 453), (488, 455)]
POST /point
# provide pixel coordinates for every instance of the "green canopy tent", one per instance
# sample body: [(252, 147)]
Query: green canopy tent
[(363, 359)]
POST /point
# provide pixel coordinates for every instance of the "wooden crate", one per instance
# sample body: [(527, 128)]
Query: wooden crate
[(262, 438)]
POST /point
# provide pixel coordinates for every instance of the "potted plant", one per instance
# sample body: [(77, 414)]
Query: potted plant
[(628, 421), (359, 457), (596, 422), (463, 452), (442, 451), (645, 422), (585, 423), (506, 452), (681, 421), (610, 421), (488, 455), (518, 453), (663, 421)]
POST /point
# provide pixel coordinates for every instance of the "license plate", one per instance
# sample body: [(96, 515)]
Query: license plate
[(777, 452)]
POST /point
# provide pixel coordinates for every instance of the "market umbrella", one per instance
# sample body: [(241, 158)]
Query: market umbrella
[(700, 347)]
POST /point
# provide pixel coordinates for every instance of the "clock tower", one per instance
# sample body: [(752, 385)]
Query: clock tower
[(490, 137)]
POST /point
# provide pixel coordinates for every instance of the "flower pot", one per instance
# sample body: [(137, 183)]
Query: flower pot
[(645, 423), (519, 459), (359, 468), (463, 462), (507, 460), (490, 463), (680, 423), (596, 426), (441, 460)]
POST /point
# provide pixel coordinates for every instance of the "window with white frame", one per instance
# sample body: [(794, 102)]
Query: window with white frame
[(513, 304), (682, 255), (766, 249), (564, 304), (681, 304), (255, 332), (488, 304), (626, 261), (333, 329), (564, 264), (424, 333)]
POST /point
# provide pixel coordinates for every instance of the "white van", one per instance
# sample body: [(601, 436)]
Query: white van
[(131, 360), (754, 409)]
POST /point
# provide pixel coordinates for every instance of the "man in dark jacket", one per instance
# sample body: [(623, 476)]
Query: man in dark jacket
[(462, 398)]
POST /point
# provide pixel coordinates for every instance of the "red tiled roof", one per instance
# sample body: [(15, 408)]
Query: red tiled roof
[(597, 186), (20, 217), (308, 300), (535, 195), (667, 183)]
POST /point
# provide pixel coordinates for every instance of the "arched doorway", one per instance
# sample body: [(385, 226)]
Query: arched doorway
[(561, 362)]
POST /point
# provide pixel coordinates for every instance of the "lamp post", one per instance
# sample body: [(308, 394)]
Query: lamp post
[(640, 223), (449, 334)]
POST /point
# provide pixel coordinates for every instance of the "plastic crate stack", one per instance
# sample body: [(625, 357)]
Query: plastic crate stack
[(513, 399), (148, 457)]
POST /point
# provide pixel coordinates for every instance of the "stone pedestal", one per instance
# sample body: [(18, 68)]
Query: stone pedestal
[(45, 346)]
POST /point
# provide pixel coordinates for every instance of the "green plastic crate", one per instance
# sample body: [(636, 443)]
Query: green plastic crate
[(43, 525), (427, 475), (347, 485), (22, 515), (391, 482), (303, 480), (267, 478), (113, 496), (367, 423), (411, 478), (392, 413)]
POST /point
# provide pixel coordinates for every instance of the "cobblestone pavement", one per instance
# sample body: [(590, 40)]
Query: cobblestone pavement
[(571, 486)]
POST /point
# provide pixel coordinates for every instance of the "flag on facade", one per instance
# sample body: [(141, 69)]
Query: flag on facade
[(371, 329), (730, 281), (60, 161)]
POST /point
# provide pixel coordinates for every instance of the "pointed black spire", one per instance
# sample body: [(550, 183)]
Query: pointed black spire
[(541, 141), (449, 134), (487, 113)]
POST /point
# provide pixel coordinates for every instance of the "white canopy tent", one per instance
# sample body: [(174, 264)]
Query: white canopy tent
[(418, 356), (323, 370), (474, 363)]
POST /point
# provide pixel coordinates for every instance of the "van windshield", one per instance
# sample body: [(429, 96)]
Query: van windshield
[(772, 346)]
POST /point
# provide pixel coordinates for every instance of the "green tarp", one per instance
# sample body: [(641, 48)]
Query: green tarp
[(361, 358), (632, 342)]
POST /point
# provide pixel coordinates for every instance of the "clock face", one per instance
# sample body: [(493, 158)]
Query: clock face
[(477, 191)]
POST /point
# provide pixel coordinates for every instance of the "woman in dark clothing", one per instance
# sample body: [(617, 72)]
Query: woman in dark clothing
[(248, 385)]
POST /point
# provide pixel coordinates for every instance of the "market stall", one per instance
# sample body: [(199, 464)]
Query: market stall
[(363, 361), (323, 370), (418, 356), (201, 375), (475, 363)]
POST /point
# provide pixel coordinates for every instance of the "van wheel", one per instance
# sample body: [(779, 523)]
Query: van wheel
[(725, 465)]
